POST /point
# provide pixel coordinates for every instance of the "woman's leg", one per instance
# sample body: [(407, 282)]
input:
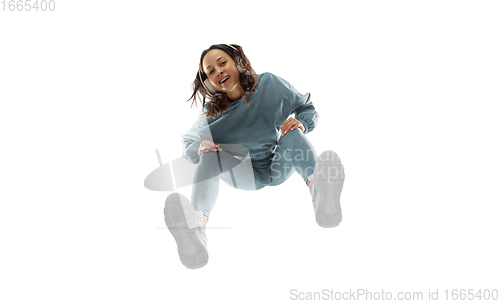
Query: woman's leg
[(294, 153), (206, 183), (232, 166), (325, 173), (237, 168)]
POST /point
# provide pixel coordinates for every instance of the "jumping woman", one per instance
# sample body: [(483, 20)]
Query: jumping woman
[(247, 137)]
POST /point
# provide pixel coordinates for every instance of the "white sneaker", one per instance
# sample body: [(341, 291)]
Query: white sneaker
[(325, 186), (188, 229)]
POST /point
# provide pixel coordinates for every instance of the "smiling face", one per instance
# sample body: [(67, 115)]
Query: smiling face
[(222, 73)]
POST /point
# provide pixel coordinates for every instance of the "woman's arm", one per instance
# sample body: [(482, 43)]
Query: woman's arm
[(191, 141), (305, 112), (198, 140), (297, 103)]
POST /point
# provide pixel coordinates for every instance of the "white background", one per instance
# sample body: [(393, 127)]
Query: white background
[(407, 93)]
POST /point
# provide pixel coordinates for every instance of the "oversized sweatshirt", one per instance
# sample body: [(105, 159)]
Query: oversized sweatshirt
[(257, 126)]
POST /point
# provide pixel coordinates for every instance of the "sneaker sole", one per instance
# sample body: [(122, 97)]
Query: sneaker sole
[(179, 217), (328, 180)]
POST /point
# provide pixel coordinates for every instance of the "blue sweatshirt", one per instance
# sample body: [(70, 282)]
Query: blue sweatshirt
[(256, 127)]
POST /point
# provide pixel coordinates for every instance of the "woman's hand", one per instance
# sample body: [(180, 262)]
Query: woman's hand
[(291, 124), (206, 146)]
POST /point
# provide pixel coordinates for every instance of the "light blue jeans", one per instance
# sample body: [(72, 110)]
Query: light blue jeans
[(293, 153)]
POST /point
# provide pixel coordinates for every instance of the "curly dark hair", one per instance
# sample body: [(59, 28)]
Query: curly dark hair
[(218, 102)]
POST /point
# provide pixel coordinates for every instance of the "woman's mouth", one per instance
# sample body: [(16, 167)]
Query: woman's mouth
[(224, 80)]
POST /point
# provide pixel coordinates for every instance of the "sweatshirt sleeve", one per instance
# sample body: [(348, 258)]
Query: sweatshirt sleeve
[(305, 112), (298, 104), (191, 140)]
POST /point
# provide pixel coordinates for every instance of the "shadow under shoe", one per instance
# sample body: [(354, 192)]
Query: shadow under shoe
[(326, 184), (188, 229)]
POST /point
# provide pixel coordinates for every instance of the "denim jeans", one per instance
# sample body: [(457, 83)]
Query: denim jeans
[(293, 153)]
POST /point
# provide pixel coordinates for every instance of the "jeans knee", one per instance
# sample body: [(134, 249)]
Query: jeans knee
[(292, 136)]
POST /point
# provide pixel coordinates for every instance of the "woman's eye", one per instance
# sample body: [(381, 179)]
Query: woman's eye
[(223, 63), (210, 73)]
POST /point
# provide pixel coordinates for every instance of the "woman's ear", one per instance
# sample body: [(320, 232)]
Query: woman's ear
[(241, 70)]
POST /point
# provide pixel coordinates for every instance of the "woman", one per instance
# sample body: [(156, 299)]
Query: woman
[(238, 140)]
